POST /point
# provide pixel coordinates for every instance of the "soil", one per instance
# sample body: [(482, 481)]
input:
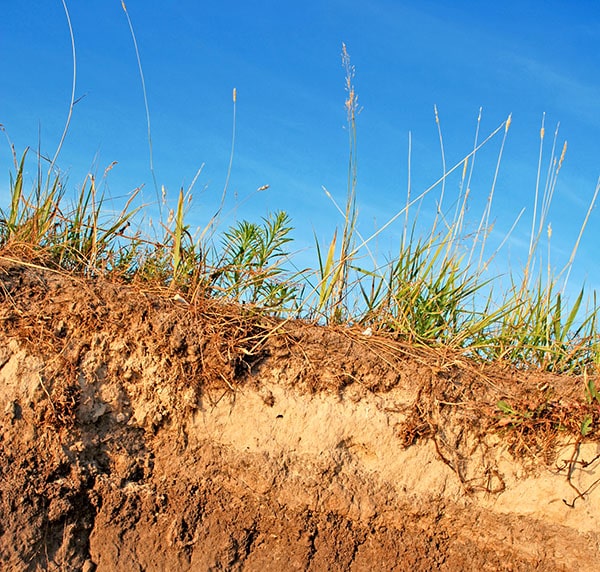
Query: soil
[(140, 432)]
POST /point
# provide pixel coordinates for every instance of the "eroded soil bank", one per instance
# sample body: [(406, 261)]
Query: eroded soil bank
[(139, 433)]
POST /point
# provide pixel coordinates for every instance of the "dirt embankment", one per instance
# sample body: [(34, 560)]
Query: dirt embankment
[(139, 433)]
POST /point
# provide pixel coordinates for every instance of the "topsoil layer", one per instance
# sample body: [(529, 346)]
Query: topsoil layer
[(139, 432)]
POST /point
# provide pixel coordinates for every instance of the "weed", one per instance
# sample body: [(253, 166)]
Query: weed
[(586, 425), (251, 260), (591, 392), (512, 415)]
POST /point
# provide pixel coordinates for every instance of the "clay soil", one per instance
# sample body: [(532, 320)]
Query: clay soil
[(141, 433)]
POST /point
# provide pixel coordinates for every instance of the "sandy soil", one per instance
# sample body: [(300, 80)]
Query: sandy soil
[(139, 433)]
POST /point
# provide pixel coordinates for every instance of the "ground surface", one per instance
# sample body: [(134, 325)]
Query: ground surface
[(141, 433)]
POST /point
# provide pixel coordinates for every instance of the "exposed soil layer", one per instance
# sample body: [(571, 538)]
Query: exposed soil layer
[(142, 433)]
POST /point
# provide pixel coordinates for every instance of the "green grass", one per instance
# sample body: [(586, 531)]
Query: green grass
[(437, 289)]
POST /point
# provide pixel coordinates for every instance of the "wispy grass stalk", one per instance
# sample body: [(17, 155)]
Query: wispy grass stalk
[(160, 196), (73, 87), (334, 269)]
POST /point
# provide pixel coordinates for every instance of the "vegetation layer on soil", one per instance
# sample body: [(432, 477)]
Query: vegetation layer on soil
[(143, 433)]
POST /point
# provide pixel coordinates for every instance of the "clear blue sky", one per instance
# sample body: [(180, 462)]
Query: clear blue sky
[(518, 57)]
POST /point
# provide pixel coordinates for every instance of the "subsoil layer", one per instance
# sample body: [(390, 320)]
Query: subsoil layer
[(142, 433)]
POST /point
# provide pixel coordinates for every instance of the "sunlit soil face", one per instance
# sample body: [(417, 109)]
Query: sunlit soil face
[(141, 431)]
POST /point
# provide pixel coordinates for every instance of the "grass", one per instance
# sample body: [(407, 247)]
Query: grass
[(436, 290)]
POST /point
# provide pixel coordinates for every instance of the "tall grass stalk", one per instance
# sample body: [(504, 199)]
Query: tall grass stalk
[(230, 165), (73, 86), (571, 260), (160, 196), (485, 220), (335, 267)]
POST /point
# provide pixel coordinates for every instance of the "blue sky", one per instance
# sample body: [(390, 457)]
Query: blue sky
[(524, 58)]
